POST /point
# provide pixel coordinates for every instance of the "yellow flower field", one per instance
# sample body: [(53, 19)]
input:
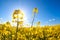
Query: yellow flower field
[(30, 33)]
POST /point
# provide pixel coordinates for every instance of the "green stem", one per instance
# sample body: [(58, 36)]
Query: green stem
[(33, 20), (17, 27)]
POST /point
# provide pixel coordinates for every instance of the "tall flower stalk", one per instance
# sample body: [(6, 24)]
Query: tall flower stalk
[(35, 10), (16, 18)]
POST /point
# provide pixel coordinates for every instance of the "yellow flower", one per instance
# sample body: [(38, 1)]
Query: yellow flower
[(35, 10)]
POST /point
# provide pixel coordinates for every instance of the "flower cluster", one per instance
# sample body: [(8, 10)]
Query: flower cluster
[(30, 33)]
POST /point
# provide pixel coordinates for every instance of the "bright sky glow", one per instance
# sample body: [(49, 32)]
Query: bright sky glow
[(48, 10)]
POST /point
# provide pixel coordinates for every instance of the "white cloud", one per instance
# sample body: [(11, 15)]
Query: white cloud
[(53, 19), (50, 20)]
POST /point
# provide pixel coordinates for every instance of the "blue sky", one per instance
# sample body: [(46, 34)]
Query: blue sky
[(49, 10)]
